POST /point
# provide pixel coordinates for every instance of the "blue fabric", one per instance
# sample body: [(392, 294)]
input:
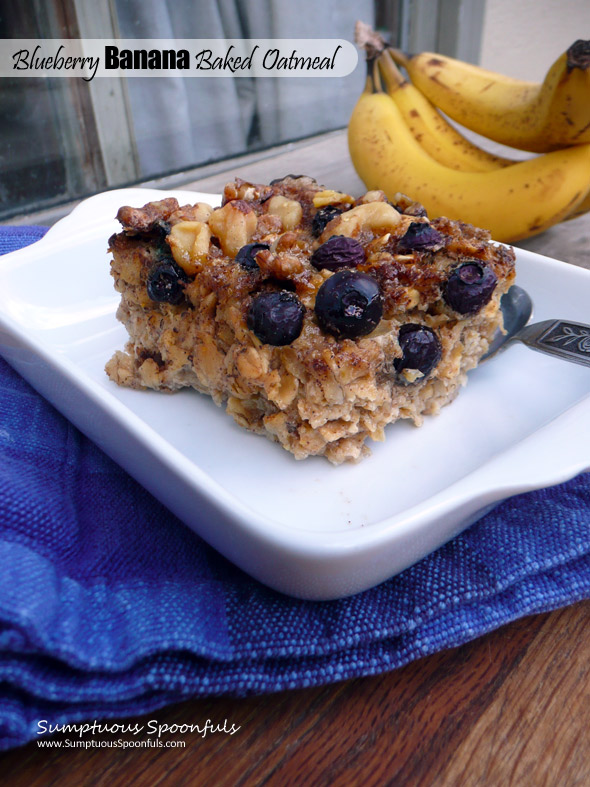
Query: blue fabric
[(110, 607), (13, 238)]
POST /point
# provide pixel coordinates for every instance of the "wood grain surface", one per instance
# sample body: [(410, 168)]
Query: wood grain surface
[(511, 708)]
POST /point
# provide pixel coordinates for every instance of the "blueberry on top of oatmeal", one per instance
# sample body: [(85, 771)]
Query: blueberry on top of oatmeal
[(420, 236), (276, 318), (470, 287), (165, 283), (338, 252), (323, 217), (421, 350), (349, 304)]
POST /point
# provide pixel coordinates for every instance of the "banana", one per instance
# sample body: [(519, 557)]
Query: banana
[(438, 138), (537, 117), (583, 207), (512, 202), (434, 133)]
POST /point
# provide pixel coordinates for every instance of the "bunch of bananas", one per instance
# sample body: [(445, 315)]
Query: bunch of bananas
[(400, 142)]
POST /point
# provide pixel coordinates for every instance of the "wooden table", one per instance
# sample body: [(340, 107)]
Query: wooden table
[(510, 708)]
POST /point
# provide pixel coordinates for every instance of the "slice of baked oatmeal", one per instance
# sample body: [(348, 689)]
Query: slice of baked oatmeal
[(315, 318)]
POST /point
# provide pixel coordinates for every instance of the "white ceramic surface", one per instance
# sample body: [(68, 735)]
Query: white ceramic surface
[(305, 528)]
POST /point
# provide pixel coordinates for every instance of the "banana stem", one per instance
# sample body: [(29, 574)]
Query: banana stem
[(392, 76), (372, 82), (401, 58), (369, 85), (376, 77), (368, 39)]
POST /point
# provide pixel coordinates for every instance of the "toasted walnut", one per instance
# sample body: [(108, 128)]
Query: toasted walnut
[(198, 212), (267, 225), (288, 210), (413, 297), (147, 218), (374, 196), (292, 241), (330, 197), (378, 217), (377, 245), (234, 225), (279, 266), (241, 189), (189, 241), (407, 205)]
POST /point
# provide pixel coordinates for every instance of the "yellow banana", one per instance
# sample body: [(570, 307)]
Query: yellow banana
[(438, 137), (434, 133), (538, 117), (583, 207), (512, 202)]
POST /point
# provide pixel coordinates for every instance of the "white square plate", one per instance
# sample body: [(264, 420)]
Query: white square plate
[(305, 528)]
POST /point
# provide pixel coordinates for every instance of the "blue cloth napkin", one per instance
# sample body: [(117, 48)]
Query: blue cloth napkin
[(110, 607)]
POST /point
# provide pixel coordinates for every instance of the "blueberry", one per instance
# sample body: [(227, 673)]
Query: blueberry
[(246, 256), (322, 218), (276, 317), (469, 287), (338, 252), (420, 236), (421, 349), (166, 282), (349, 304)]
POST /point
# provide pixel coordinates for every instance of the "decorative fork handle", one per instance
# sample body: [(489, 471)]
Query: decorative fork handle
[(564, 339)]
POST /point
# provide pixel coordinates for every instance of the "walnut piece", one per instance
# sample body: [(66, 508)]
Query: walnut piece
[(234, 225), (189, 242), (147, 218), (331, 197), (378, 217), (288, 210)]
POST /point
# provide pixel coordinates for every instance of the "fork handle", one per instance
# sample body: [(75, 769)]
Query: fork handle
[(564, 339)]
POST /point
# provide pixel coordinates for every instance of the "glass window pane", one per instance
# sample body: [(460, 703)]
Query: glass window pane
[(62, 139)]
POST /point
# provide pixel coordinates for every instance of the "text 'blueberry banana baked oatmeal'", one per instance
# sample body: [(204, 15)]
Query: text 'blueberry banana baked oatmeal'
[(315, 318)]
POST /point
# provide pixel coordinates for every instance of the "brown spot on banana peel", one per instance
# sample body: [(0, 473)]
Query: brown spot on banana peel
[(434, 78), (435, 61)]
